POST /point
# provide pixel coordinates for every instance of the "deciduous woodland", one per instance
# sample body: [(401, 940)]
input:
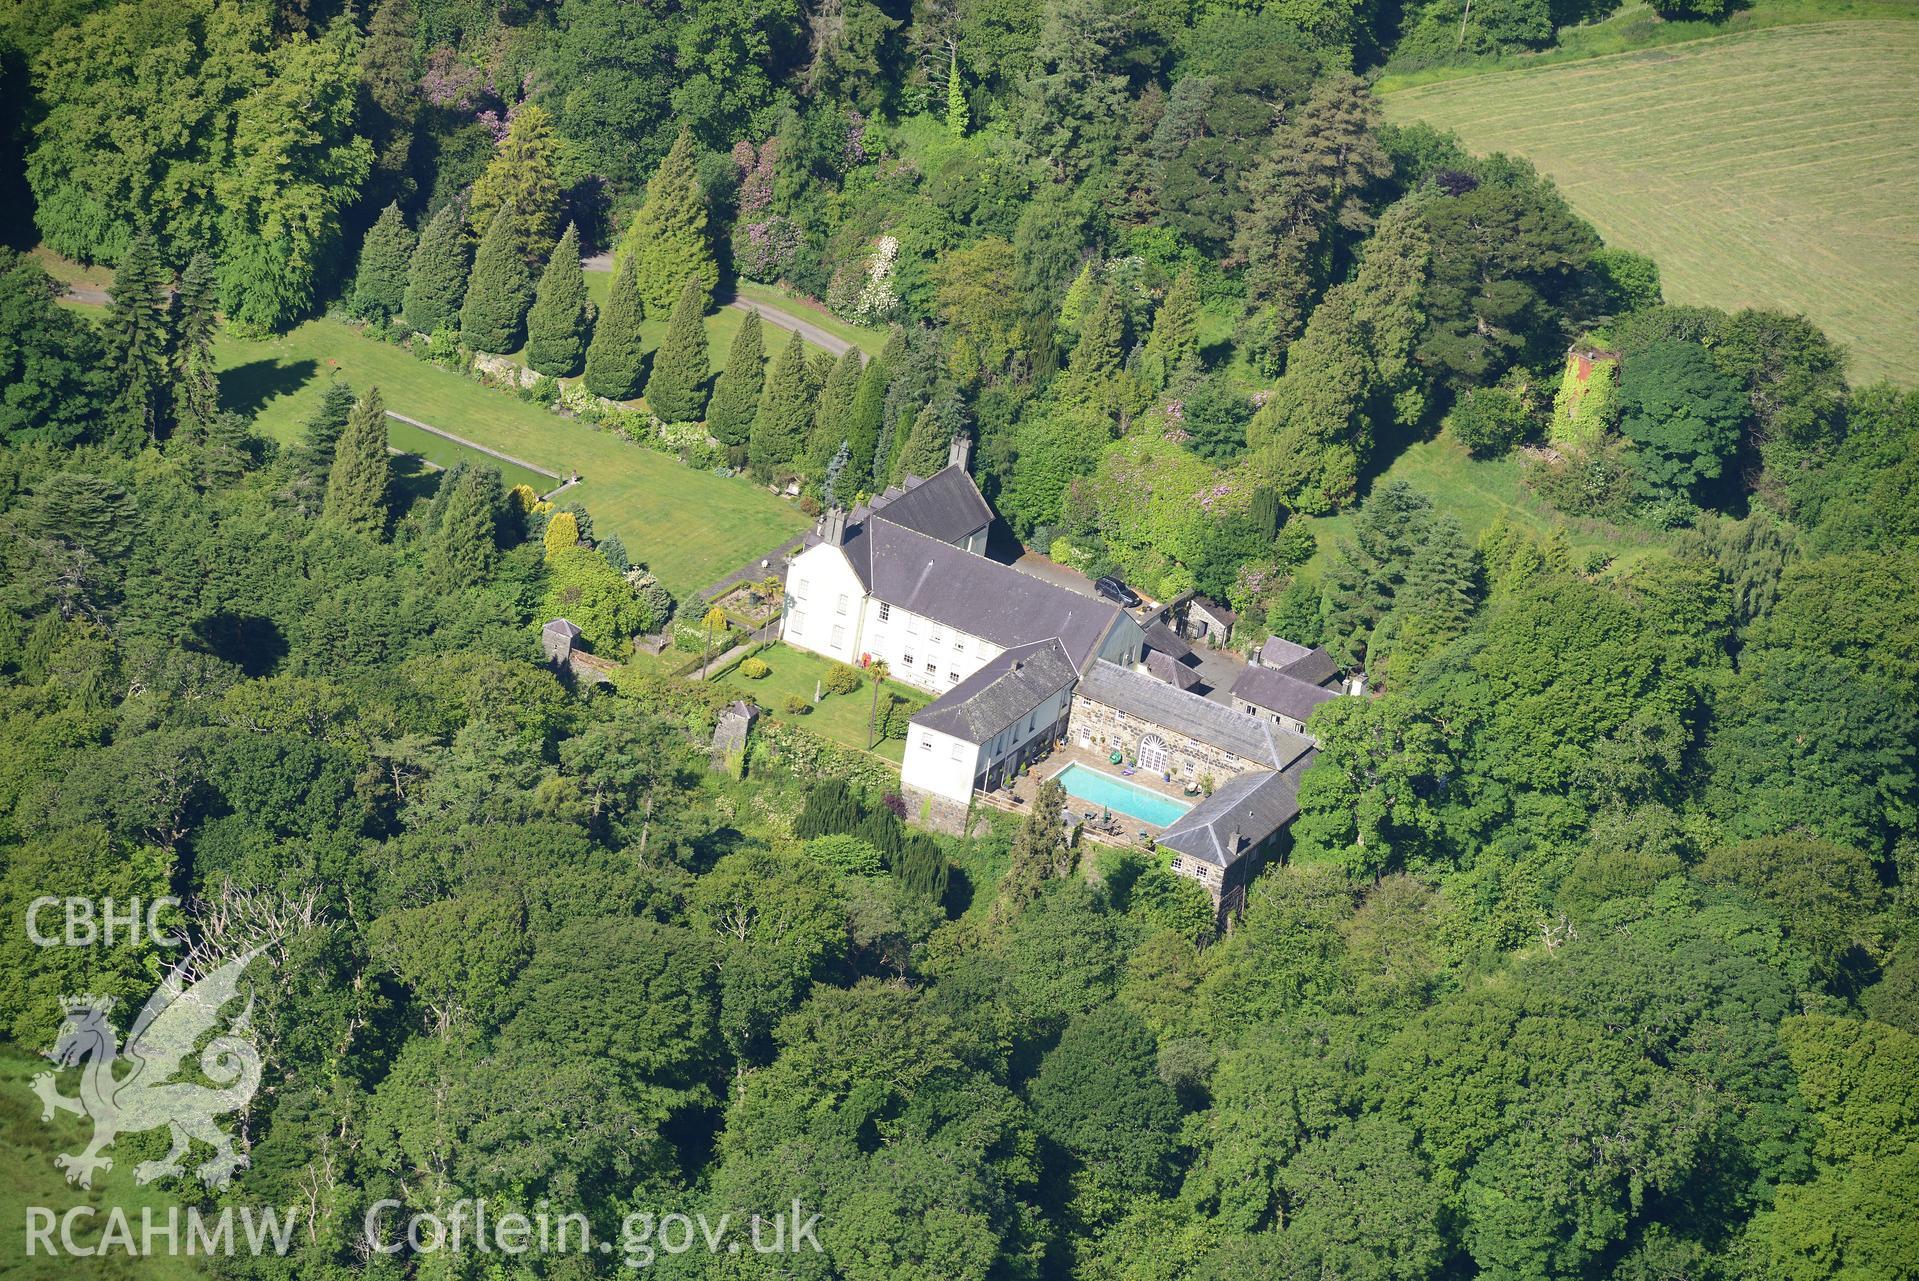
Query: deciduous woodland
[(1592, 952)]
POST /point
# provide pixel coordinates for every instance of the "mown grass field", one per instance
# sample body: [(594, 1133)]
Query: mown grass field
[(1778, 168), (28, 1177), (690, 527)]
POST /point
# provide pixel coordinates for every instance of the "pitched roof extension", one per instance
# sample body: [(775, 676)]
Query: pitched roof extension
[(1255, 805), (1279, 692), (1000, 692)]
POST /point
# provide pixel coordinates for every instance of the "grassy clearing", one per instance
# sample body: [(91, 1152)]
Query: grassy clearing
[(690, 527), (27, 1148), (839, 717), (1777, 169), (1479, 491), (1636, 26)]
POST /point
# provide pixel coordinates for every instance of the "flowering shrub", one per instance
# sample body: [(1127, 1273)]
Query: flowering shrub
[(870, 297), (451, 84), (763, 250), (756, 166)]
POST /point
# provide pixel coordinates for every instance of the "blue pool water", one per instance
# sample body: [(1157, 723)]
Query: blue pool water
[(1096, 787)]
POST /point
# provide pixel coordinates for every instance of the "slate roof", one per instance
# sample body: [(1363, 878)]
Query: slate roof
[(972, 594), (1248, 737), (1167, 641), (1277, 653), (1164, 667), (1256, 805), (1279, 692), (946, 505), (1001, 692), (1217, 610), (1317, 668)]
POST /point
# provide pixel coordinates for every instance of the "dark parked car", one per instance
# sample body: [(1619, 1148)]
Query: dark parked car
[(1114, 590)]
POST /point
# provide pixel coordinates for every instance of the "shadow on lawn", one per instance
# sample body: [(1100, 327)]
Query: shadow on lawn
[(246, 389)]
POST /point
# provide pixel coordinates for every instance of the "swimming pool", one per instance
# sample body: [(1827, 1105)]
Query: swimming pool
[(1096, 787)]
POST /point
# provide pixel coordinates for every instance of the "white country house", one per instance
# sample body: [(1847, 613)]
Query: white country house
[(1017, 664)]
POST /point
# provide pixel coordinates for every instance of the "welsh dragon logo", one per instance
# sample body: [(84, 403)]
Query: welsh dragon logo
[(173, 1021)]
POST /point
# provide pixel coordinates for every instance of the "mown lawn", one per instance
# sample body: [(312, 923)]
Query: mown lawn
[(27, 1148), (690, 527), (839, 717), (1637, 26), (1778, 168)]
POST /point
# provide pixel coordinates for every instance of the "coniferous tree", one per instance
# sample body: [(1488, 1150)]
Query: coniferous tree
[(1080, 295), (196, 390), (927, 444), (676, 388), (493, 318), (1315, 178), (436, 279), (830, 491), (736, 396), (357, 484), (786, 411), (464, 546), (832, 416), (1040, 852), (386, 256), (556, 327), (524, 173), (668, 239), (614, 357), (393, 99), (896, 416), (863, 422), (134, 334), (1102, 342), (320, 434), (957, 117), (1175, 337)]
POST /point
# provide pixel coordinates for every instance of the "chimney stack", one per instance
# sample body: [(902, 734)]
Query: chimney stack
[(833, 527), (1232, 843), (960, 452)]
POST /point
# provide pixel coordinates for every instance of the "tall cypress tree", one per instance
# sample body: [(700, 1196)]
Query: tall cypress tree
[(493, 317), (196, 391), (357, 485), (556, 327), (1175, 336), (863, 427), (524, 173), (895, 415), (135, 339), (927, 445), (436, 278), (736, 396), (320, 434), (614, 357), (832, 417), (668, 239), (464, 548), (676, 388), (786, 411), (386, 256), (1102, 342), (957, 117)]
